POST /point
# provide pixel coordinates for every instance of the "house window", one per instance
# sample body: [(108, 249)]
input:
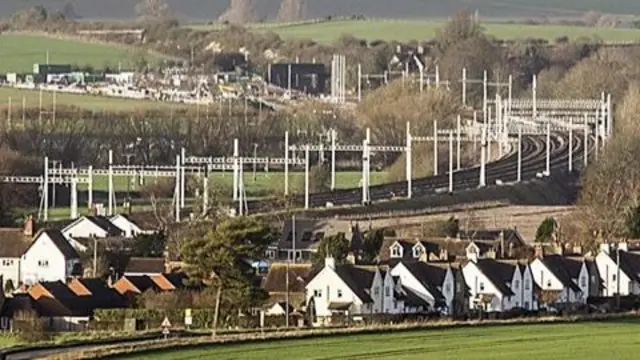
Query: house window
[(339, 293), (43, 263), (583, 281), (481, 286), (396, 251), (417, 251), (395, 304), (516, 284), (387, 291), (517, 304), (376, 291), (271, 254), (548, 283), (526, 285), (526, 305), (317, 293), (613, 277), (7, 262)]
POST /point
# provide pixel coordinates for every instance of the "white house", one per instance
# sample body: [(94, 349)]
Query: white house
[(565, 279), (50, 257), (499, 285), (626, 277), (91, 227), (345, 289), (13, 243), (279, 309), (128, 227), (435, 285)]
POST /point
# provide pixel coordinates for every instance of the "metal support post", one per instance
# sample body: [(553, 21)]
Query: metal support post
[(183, 157), (205, 191), (510, 94), (435, 147), (409, 161), (485, 95), (45, 190), (519, 178), (570, 144), (111, 196), (333, 159), (359, 82), (610, 118), (437, 76), (90, 185), (534, 90), (597, 136), (483, 151), (236, 169), (176, 203), (286, 163), (548, 171), (458, 125), (464, 87), (451, 162), (586, 140), (74, 197), (306, 177)]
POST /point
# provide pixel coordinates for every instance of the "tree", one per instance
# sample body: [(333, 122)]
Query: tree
[(292, 10), (30, 328), (9, 287), (240, 12), (372, 243), (152, 10), (336, 246), (451, 228), (632, 222), (319, 178), (547, 230), (149, 245), (461, 27)]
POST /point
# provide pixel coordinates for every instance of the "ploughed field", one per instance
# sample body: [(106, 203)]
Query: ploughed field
[(618, 340)]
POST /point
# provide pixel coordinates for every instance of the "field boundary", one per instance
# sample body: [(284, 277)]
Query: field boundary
[(150, 347)]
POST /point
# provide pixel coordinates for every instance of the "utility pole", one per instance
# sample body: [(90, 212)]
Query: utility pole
[(129, 156), (306, 177), (409, 161), (548, 147), (255, 156), (435, 148), (451, 162), (110, 179), (519, 179), (286, 163), (570, 144), (333, 159), (458, 120), (95, 257), (53, 185), (586, 140)]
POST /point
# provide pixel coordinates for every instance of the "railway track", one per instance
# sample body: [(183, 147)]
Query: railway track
[(503, 169)]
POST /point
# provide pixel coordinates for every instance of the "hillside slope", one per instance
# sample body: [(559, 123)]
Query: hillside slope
[(207, 9)]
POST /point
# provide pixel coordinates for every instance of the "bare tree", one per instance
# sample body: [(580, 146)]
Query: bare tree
[(240, 12), (152, 10), (292, 10)]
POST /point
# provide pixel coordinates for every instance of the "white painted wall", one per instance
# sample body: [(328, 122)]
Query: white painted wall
[(608, 270), (546, 280), (377, 292), (409, 281), (476, 281), (10, 269), (329, 285), (83, 228), (44, 262), (130, 229), (528, 300), (391, 304)]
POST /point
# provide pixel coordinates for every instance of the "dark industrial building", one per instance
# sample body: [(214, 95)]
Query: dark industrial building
[(308, 78)]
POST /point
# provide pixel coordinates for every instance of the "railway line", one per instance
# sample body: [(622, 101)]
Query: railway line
[(503, 169)]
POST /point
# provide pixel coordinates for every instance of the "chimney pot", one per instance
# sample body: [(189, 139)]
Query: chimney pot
[(29, 226)]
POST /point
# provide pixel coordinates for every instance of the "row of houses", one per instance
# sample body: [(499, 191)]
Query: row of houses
[(28, 257), (551, 282)]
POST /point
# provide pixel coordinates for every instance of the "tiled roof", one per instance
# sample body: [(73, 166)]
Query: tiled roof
[(142, 282), (102, 295), (430, 277), (13, 242), (413, 299), (105, 224), (275, 281), (309, 232)]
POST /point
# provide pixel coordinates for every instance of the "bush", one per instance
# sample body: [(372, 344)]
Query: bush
[(30, 327)]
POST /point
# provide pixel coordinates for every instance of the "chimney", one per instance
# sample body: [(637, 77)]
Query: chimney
[(399, 49), (94, 210), (29, 226), (502, 244), (605, 248), (539, 251), (330, 263)]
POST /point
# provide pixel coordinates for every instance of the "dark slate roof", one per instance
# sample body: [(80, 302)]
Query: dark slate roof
[(510, 235), (103, 295), (72, 303), (59, 241), (176, 279), (564, 269), (358, 279), (430, 277), (142, 282), (143, 220), (140, 265), (413, 299), (19, 302), (499, 273), (13, 243), (629, 263), (105, 224)]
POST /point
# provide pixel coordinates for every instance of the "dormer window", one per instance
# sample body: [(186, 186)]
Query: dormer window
[(396, 250), (418, 250)]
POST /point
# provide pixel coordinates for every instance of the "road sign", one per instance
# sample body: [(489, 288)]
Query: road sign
[(188, 319), (165, 332), (166, 323)]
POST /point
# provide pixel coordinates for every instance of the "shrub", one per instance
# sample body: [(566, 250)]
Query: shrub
[(30, 327)]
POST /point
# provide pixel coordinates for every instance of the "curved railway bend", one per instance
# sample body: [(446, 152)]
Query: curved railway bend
[(503, 169)]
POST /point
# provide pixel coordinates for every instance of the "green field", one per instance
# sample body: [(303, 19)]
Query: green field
[(20, 52), (405, 30), (90, 102), (611, 340)]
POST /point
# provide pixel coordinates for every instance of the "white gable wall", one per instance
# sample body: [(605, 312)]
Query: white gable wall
[(130, 229), (478, 283), (448, 290), (83, 228), (326, 287), (377, 292), (409, 281), (391, 304), (583, 282), (43, 262), (608, 274), (526, 292)]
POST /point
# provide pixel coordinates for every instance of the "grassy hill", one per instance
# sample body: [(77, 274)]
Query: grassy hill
[(404, 30), (20, 52)]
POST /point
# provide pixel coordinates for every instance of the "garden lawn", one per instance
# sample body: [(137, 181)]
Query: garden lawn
[(579, 341), (405, 30), (18, 53)]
